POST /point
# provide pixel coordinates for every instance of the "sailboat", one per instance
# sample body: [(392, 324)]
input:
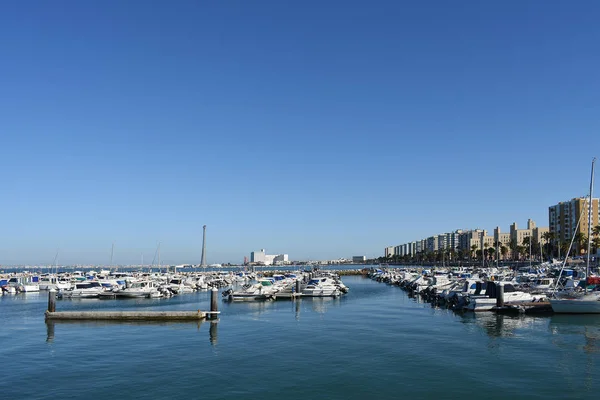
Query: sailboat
[(587, 302)]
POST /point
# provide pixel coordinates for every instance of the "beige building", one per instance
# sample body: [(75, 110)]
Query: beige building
[(518, 235), (503, 240), (563, 218)]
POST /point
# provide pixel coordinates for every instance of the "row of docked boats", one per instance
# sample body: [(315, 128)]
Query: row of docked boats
[(292, 285), (107, 284), (479, 289), (242, 286)]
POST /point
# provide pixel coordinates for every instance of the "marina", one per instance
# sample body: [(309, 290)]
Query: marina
[(374, 339)]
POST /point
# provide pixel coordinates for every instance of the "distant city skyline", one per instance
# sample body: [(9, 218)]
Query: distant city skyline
[(324, 130)]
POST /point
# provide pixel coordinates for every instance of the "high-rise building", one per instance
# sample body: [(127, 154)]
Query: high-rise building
[(568, 218), (389, 251)]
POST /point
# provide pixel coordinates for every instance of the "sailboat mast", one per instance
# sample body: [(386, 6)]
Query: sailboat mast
[(590, 207), (530, 237)]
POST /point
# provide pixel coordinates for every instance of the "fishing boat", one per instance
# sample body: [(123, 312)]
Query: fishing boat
[(585, 302)]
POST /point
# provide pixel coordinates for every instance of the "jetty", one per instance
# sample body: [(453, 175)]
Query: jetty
[(127, 315), (53, 315)]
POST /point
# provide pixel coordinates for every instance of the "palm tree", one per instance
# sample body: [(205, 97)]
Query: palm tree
[(596, 243), (522, 251), (491, 252), (474, 250), (564, 248), (503, 251), (526, 244), (549, 238), (513, 247), (596, 238), (580, 240)]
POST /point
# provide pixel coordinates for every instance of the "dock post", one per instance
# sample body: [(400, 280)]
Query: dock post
[(214, 304), (500, 295), (298, 287), (52, 300)]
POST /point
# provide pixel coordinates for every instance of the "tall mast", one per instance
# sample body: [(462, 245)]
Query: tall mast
[(590, 207), (482, 250), (530, 237)]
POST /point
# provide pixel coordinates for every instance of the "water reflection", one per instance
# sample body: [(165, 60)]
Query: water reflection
[(51, 325), (498, 325), (567, 328), (213, 332), (321, 304)]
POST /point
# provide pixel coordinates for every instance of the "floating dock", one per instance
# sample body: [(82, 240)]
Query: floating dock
[(129, 315), (53, 315), (287, 295), (540, 307)]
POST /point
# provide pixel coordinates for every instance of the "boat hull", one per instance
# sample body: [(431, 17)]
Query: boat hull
[(575, 306)]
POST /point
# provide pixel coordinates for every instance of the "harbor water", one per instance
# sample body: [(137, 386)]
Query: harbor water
[(374, 341)]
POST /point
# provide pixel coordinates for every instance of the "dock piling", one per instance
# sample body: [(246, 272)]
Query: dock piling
[(52, 300), (298, 287), (500, 295), (214, 303)]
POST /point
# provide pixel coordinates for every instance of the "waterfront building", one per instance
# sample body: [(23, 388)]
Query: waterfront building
[(563, 218), (431, 244), (502, 240), (359, 259), (517, 236), (470, 238), (390, 251), (260, 257), (281, 258)]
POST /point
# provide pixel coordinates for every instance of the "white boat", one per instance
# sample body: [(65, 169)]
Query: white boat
[(87, 289), (139, 289), (179, 286), (586, 302), (510, 297), (321, 287), (53, 282), (24, 284), (263, 290)]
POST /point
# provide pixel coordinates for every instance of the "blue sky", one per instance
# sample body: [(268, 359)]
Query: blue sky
[(321, 129)]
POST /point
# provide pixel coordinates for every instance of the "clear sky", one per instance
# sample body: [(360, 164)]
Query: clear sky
[(320, 129)]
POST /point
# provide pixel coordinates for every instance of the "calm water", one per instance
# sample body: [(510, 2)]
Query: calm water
[(375, 341)]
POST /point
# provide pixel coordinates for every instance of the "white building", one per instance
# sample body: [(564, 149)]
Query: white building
[(260, 257)]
